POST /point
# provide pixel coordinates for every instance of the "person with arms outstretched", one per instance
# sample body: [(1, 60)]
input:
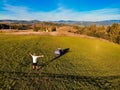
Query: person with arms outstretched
[(34, 58)]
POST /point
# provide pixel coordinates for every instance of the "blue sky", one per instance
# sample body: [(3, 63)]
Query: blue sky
[(51, 10)]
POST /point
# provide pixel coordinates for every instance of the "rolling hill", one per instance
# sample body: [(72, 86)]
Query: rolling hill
[(88, 63)]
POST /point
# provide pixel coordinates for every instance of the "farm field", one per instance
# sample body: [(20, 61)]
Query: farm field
[(89, 64)]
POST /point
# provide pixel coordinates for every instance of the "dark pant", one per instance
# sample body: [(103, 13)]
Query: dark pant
[(34, 64)]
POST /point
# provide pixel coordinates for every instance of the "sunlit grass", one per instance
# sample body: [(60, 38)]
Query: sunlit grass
[(88, 65)]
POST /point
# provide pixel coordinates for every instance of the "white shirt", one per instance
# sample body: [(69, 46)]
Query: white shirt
[(57, 52), (34, 58)]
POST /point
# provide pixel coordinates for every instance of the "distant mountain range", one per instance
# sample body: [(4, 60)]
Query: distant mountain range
[(105, 22)]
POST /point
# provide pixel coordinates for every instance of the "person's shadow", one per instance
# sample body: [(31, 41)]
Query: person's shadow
[(48, 62), (65, 51)]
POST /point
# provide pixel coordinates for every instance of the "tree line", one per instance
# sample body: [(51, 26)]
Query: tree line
[(111, 33), (42, 26), (15, 26)]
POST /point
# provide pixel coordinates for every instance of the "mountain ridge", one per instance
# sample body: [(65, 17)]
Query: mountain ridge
[(104, 22)]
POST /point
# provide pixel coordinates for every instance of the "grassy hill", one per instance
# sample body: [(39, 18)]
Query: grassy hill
[(90, 64)]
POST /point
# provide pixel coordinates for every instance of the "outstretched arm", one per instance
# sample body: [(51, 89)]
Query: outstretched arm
[(30, 54), (41, 56)]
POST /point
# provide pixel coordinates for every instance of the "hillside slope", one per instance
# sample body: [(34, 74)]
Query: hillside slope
[(90, 64)]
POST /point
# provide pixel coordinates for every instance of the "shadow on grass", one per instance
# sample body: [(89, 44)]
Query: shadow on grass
[(100, 82), (48, 62)]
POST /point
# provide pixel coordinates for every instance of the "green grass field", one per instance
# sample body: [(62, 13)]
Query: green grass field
[(90, 64)]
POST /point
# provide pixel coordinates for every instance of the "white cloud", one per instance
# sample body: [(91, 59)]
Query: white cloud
[(24, 13), (15, 9)]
